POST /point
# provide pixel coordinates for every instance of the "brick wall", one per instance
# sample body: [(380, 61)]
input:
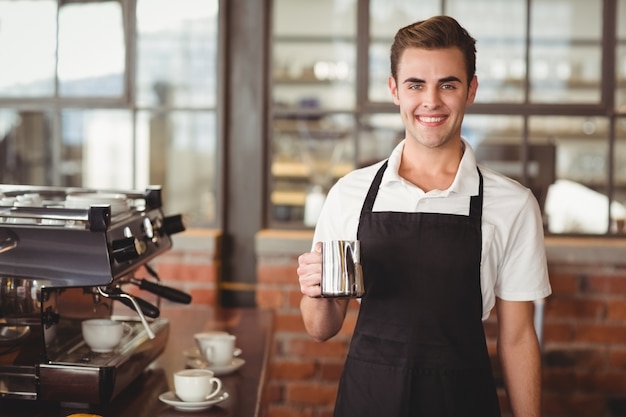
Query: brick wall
[(585, 342), (584, 332), (304, 373)]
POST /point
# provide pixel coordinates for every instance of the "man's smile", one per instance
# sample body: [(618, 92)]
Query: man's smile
[(430, 119)]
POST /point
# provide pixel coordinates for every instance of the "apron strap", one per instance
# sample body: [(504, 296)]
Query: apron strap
[(368, 205), (476, 202)]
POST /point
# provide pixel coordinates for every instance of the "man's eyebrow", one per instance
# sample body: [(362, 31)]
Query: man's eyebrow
[(451, 78)]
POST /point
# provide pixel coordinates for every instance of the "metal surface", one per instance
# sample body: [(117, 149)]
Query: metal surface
[(342, 275), (79, 375), (63, 259), (247, 386), (79, 246)]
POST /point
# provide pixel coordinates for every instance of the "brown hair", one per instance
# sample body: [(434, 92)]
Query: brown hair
[(437, 32)]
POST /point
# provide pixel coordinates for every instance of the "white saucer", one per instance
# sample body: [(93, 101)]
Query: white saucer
[(194, 353), (171, 399), (219, 370)]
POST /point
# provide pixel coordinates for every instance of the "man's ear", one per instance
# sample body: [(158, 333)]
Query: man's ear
[(471, 92), (393, 89)]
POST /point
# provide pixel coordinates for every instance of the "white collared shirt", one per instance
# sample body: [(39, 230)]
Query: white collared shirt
[(513, 265)]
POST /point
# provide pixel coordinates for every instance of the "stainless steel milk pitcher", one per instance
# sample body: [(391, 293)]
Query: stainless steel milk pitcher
[(342, 275)]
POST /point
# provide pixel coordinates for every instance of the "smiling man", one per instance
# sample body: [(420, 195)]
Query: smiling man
[(443, 242)]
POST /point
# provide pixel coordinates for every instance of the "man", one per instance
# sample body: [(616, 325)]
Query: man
[(441, 239)]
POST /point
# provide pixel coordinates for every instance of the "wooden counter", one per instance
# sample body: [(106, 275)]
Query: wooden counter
[(253, 329)]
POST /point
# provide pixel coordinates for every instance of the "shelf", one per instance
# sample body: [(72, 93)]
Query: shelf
[(288, 198), (302, 171)]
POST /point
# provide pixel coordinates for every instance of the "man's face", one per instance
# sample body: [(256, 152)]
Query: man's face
[(432, 92)]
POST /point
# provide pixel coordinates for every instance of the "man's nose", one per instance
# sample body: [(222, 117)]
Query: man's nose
[(431, 98)]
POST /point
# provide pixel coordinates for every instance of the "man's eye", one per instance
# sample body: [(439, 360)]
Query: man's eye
[(448, 87), (415, 87)]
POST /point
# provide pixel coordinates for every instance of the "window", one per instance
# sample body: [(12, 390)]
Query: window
[(548, 109), (121, 94)]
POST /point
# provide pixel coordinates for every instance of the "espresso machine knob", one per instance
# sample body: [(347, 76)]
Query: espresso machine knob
[(127, 249), (173, 224), (148, 228)]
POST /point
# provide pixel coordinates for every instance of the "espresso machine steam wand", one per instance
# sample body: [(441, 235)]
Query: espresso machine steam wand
[(117, 294)]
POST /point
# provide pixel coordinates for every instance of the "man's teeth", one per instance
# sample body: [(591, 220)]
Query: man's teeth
[(431, 119)]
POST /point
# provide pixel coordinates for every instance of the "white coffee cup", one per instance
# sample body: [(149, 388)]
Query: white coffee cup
[(218, 348), (195, 385), (104, 335)]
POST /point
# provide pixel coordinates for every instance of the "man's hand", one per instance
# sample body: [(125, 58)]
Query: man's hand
[(310, 272)]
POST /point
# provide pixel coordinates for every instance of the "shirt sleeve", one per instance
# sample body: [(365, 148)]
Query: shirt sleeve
[(522, 272)]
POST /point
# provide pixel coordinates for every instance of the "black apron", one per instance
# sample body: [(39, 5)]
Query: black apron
[(419, 347)]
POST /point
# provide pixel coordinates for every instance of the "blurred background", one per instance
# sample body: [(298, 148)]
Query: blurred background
[(125, 93)]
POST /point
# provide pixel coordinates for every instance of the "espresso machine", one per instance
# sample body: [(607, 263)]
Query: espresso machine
[(67, 255)]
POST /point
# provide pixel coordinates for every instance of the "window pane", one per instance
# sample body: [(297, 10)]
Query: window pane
[(386, 17), (499, 145), (378, 135), (491, 129), (379, 71), (7, 122), (314, 54), (91, 49), (619, 196), (500, 45), (25, 147), (308, 152), (501, 48), (27, 48), (177, 53), (566, 51), (314, 75), (562, 72), (97, 148), (178, 151), (304, 18), (577, 202), (497, 141)]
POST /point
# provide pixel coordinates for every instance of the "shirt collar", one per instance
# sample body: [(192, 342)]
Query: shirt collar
[(465, 182)]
